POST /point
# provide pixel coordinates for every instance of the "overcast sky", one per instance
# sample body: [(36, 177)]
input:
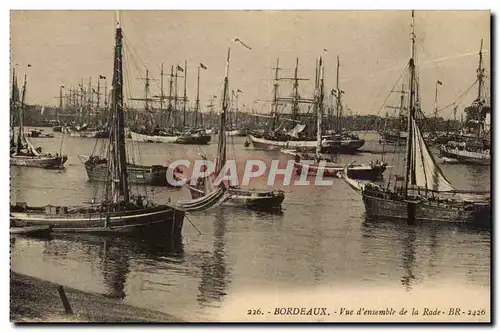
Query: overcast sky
[(65, 47)]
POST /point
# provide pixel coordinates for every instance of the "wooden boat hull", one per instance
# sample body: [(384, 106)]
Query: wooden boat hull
[(466, 157), (155, 175), (194, 139), (39, 135), (253, 199), (359, 172), (163, 221), (393, 138), (34, 231), (40, 162), (425, 211), (329, 146), (136, 137), (237, 132), (89, 134)]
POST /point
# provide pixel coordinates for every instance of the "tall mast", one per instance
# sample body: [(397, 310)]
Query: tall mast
[(480, 78), (480, 73), (237, 109), (161, 89), (410, 173), (98, 104), (319, 102), (175, 92), (184, 99), (105, 98), (60, 102), (118, 137), (221, 153), (146, 92), (170, 89), (20, 136), (339, 101), (438, 83), (275, 97), (14, 102), (197, 107), (295, 100), (89, 101)]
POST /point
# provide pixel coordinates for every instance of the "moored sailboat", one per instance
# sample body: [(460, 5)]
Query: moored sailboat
[(118, 212), (261, 199), (22, 152), (327, 165), (424, 193), (155, 175), (472, 149), (338, 141)]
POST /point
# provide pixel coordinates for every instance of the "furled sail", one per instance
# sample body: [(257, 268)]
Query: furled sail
[(427, 173), (213, 199)]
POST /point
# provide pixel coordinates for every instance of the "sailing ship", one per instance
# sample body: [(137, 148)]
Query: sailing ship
[(89, 123), (424, 193), (472, 149), (119, 212), (260, 199), (155, 175), (338, 141), (156, 134), (234, 126), (328, 164), (22, 151), (395, 136)]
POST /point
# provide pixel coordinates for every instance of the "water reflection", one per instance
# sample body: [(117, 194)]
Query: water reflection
[(423, 248), (112, 256), (214, 272), (408, 258)]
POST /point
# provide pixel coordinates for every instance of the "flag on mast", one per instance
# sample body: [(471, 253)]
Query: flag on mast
[(179, 68), (203, 66)]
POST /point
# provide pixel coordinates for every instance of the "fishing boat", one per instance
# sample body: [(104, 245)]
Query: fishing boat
[(337, 141), (325, 164), (85, 131), (153, 136), (472, 149), (155, 175), (22, 152), (237, 132), (423, 194), (38, 134), (261, 199), (194, 137), (118, 212), (32, 231)]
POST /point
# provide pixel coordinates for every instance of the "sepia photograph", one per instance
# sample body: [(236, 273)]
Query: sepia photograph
[(256, 166)]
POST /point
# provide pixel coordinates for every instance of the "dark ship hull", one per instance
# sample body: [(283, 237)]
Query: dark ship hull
[(48, 162), (465, 156), (262, 200), (359, 172), (343, 146), (194, 139), (380, 205), (156, 175), (162, 220)]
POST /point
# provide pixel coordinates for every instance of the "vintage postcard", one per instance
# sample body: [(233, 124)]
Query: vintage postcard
[(250, 166)]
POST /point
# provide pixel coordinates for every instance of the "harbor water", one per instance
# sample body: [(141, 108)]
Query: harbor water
[(320, 245)]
